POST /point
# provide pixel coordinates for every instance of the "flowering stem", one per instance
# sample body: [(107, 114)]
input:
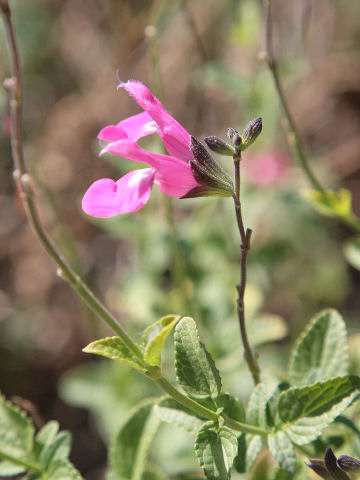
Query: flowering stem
[(245, 236), (294, 136)]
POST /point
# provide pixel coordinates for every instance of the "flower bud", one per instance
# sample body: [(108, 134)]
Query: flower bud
[(251, 132), (348, 464), (318, 466), (332, 466), (212, 178), (218, 145)]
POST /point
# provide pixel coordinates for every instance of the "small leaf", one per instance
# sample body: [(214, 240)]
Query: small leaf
[(131, 445), (321, 352), (8, 469), (62, 470), (282, 450), (50, 445), (330, 203), (233, 408), (306, 411), (16, 430), (154, 338), (255, 415), (114, 348), (216, 450), (171, 411), (352, 252), (195, 369)]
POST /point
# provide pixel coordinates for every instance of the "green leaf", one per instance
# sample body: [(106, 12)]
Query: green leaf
[(216, 450), (171, 411), (62, 470), (16, 430), (321, 352), (233, 408), (131, 445), (282, 450), (114, 348), (195, 369), (255, 415), (8, 469), (50, 445), (352, 252), (154, 338), (330, 203), (303, 412)]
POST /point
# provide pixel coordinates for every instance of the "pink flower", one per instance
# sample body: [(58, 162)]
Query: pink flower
[(265, 170), (172, 173)]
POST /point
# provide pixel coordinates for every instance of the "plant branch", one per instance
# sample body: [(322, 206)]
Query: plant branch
[(25, 188), (245, 236), (273, 67)]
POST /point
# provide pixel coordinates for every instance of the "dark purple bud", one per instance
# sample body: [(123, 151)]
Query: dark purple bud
[(251, 132), (348, 464), (332, 466), (208, 173), (318, 466), (218, 145)]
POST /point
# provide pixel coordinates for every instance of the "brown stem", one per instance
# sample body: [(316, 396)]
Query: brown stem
[(245, 236)]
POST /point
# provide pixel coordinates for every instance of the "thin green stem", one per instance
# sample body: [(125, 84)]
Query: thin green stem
[(28, 464), (205, 412), (294, 133), (245, 236), (24, 185)]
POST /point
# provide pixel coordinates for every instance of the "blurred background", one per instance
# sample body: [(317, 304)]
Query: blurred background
[(204, 59)]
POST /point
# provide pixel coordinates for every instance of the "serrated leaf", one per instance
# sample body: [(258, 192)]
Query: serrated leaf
[(306, 411), (352, 252), (256, 408), (8, 469), (233, 408), (171, 411), (130, 447), (16, 430), (154, 338), (255, 415), (195, 369), (114, 348), (50, 445), (62, 470), (321, 352), (216, 450), (330, 203), (282, 450)]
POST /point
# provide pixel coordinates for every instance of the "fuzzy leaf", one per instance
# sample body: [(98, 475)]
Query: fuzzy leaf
[(62, 470), (216, 451), (16, 430), (8, 469), (321, 352), (171, 411), (131, 445), (282, 450), (114, 348), (195, 369), (305, 411), (154, 338)]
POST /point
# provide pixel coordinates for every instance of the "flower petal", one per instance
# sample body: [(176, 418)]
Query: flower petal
[(173, 176), (106, 198), (133, 128), (176, 139)]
